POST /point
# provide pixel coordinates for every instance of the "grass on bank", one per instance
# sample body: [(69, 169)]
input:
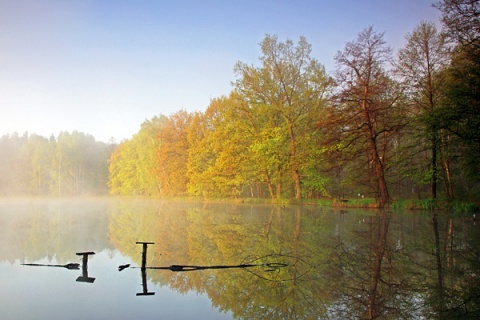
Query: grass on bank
[(457, 206)]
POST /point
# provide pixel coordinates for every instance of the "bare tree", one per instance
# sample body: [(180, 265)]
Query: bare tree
[(366, 106), (461, 19), (421, 66)]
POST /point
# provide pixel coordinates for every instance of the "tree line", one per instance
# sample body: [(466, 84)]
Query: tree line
[(69, 164), (382, 125)]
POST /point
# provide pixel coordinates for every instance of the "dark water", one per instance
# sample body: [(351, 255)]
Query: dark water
[(283, 263)]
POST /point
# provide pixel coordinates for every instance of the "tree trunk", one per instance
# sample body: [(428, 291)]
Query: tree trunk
[(279, 184), (381, 184), (293, 160), (439, 266), (447, 177), (379, 253), (434, 167), (384, 197), (270, 187)]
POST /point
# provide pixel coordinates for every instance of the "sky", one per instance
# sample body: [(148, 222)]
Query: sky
[(103, 67)]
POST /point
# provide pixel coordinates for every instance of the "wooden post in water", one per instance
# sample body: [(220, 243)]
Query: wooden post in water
[(144, 253), (144, 270), (144, 285), (84, 277)]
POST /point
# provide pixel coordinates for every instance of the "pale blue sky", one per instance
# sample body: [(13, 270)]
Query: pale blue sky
[(104, 66)]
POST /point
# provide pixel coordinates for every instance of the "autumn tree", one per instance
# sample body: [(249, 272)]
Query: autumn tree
[(132, 165), (123, 171), (220, 162), (200, 156), (365, 115), (172, 155), (421, 66), (292, 86)]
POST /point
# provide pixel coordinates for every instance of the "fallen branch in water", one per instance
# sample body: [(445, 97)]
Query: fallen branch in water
[(70, 266), (182, 268)]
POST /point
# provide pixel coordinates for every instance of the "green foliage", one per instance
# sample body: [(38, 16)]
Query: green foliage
[(398, 204), (320, 202), (355, 203), (285, 97), (460, 114), (456, 206), (464, 207), (132, 165), (427, 204), (220, 163)]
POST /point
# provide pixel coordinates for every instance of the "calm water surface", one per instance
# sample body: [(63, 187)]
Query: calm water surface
[(244, 262)]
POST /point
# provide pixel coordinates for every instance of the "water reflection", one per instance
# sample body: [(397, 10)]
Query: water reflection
[(372, 282), (217, 236), (454, 283), (71, 266), (263, 264), (365, 265), (143, 268), (84, 277), (257, 262), (399, 271), (145, 291)]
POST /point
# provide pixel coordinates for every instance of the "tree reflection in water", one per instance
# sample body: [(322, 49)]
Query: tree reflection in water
[(371, 284), (381, 275), (339, 264), (210, 237), (263, 266), (71, 266), (371, 265), (456, 292)]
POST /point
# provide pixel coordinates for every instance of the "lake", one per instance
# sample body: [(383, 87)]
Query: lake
[(60, 259)]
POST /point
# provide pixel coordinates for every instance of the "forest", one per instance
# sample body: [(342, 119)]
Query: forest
[(70, 164), (384, 125)]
